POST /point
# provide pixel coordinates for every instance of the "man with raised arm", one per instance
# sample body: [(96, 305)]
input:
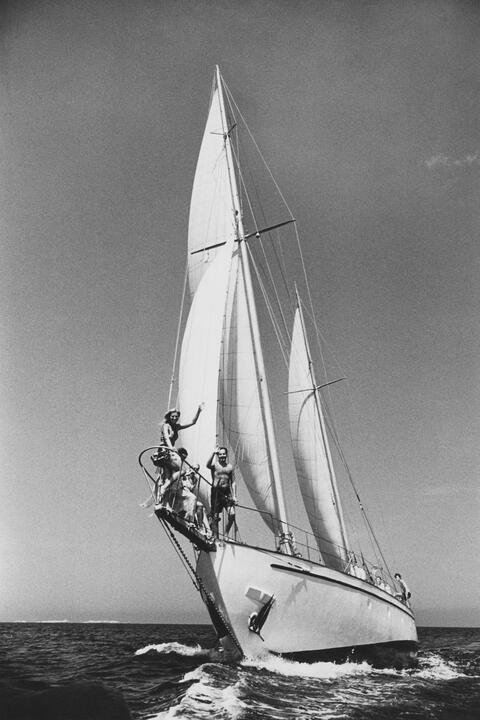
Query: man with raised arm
[(223, 495)]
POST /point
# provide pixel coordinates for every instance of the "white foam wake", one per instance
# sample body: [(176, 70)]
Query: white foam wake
[(173, 647), (323, 670), (205, 700), (434, 667)]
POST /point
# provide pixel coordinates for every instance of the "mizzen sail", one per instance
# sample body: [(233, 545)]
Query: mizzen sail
[(311, 452)]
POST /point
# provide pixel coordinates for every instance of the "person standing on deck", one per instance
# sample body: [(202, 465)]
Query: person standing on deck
[(223, 495), (406, 594)]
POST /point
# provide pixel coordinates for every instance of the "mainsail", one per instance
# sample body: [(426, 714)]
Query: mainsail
[(199, 362), (221, 358), (212, 217), (240, 408), (211, 223), (311, 453)]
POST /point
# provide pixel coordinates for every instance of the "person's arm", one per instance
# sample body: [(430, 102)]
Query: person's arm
[(197, 414), (211, 459), (167, 434), (233, 486)]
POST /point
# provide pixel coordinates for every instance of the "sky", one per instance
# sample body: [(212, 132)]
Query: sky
[(368, 115)]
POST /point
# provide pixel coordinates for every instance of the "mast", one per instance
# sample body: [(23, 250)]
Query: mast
[(262, 379), (323, 431)]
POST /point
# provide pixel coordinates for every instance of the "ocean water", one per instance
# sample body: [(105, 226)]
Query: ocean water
[(172, 671)]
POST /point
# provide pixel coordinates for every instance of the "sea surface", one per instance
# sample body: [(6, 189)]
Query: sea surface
[(173, 671)]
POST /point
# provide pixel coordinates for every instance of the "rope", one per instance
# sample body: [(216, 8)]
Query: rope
[(175, 352), (234, 104)]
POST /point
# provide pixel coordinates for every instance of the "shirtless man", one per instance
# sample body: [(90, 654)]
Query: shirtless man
[(223, 495)]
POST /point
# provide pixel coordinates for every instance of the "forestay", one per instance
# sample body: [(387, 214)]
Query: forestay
[(311, 452)]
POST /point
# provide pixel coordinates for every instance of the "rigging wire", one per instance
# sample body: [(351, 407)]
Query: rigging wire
[(278, 333), (256, 225), (334, 435), (177, 340), (357, 495), (232, 101), (279, 260), (275, 323), (281, 264)]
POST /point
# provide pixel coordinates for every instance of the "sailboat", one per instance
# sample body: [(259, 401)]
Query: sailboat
[(299, 592)]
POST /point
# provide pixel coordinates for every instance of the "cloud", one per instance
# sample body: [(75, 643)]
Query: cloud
[(445, 161)]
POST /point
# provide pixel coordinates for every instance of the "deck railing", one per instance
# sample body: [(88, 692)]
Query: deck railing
[(293, 540)]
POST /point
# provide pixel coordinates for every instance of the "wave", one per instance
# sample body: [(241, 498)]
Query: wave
[(174, 647), (323, 670), (434, 667), (204, 699), (431, 667)]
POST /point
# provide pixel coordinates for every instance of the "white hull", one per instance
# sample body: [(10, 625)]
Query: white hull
[(318, 613)]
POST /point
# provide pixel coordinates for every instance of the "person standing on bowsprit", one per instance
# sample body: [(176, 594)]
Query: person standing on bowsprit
[(223, 495)]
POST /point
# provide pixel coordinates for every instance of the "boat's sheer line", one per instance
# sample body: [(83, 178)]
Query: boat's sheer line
[(177, 339)]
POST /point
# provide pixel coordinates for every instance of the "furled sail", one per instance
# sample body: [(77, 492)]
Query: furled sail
[(240, 408), (212, 217), (311, 452), (199, 363)]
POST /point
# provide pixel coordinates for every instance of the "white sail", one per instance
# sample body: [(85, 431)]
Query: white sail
[(199, 363), (311, 453), (212, 216), (240, 408)]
